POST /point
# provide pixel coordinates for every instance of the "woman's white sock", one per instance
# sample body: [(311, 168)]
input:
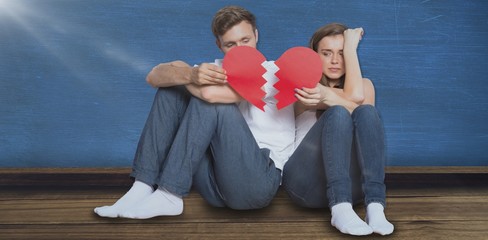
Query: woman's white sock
[(347, 221), (136, 193), (376, 219)]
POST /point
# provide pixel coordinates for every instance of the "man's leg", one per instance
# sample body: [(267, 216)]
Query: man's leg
[(157, 136), (245, 176)]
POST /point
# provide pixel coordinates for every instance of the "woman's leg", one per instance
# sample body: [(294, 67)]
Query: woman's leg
[(337, 139), (322, 164), (370, 145), (304, 175), (370, 148)]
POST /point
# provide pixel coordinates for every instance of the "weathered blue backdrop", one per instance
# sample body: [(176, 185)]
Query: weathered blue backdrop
[(72, 73)]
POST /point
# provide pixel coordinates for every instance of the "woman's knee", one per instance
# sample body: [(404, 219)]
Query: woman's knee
[(337, 116), (365, 111)]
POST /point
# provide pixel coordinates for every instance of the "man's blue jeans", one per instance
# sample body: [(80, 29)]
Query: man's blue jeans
[(340, 158), (188, 142)]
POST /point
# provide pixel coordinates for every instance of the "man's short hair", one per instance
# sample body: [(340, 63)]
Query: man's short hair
[(228, 17)]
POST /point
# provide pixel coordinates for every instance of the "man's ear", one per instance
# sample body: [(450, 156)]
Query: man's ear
[(217, 42), (256, 34)]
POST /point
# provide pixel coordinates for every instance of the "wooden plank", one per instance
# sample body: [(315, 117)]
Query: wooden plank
[(120, 176), (436, 169), (66, 213), (282, 230), (126, 170), (79, 211)]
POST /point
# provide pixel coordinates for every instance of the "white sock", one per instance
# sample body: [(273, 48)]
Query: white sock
[(347, 221), (375, 217), (159, 203), (137, 192)]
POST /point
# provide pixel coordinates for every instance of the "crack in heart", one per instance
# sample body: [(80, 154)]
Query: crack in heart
[(298, 67)]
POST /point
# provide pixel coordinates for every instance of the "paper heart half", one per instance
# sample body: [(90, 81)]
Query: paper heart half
[(298, 67), (245, 73)]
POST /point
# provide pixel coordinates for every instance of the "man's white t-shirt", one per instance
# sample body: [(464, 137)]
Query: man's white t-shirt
[(272, 129), (304, 122)]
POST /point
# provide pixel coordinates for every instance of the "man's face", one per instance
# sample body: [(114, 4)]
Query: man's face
[(241, 34)]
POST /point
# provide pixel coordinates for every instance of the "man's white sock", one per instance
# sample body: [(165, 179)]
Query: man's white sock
[(376, 219), (137, 192), (159, 203), (347, 221)]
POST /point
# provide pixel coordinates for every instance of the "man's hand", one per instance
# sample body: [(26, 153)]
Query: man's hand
[(207, 73)]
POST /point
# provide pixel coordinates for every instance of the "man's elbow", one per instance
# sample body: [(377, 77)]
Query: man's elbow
[(151, 77), (216, 95), (150, 81), (208, 95)]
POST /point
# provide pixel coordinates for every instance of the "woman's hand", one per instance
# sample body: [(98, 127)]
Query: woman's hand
[(352, 38), (319, 97), (309, 97)]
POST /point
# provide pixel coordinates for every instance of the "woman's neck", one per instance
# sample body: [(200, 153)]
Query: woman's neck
[(333, 82)]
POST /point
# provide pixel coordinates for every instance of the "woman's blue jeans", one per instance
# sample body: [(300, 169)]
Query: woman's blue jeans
[(341, 159), (188, 142)]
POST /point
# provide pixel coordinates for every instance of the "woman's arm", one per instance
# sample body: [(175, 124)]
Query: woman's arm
[(353, 84), (322, 97)]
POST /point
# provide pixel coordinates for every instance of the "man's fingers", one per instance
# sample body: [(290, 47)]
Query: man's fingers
[(210, 74)]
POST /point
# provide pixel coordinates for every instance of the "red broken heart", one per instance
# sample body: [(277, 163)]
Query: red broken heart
[(245, 73), (298, 67)]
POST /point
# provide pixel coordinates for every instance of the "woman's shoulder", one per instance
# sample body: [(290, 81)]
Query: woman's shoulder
[(368, 83)]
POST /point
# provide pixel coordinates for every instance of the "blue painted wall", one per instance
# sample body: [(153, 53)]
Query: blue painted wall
[(72, 73)]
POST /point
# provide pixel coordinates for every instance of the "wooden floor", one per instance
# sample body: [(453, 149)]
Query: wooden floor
[(422, 206)]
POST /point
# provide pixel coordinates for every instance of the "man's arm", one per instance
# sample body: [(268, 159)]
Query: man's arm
[(206, 81), (180, 73), (221, 93)]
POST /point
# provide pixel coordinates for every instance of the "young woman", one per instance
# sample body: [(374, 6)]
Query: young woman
[(339, 138)]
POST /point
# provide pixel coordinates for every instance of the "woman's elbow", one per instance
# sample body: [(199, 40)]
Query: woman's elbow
[(357, 98)]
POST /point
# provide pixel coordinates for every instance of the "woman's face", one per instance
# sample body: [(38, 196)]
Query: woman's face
[(330, 51)]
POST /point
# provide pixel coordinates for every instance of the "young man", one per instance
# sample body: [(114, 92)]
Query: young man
[(195, 136)]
